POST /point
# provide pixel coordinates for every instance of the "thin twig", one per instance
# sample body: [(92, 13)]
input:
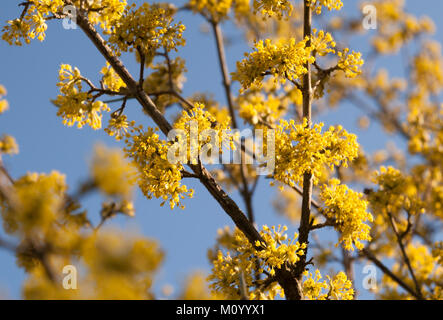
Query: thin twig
[(404, 254)]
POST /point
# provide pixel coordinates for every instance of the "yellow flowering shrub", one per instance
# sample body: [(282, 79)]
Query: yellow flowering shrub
[(285, 60), (336, 288), (38, 199), (300, 149), (348, 210), (157, 177), (242, 260), (258, 109), (317, 5), (269, 8), (116, 266), (148, 28), (32, 23), (395, 193), (195, 122), (426, 270), (296, 73), (396, 27), (212, 9)]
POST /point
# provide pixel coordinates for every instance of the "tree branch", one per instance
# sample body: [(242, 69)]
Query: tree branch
[(405, 256), (304, 227), (284, 276), (246, 193)]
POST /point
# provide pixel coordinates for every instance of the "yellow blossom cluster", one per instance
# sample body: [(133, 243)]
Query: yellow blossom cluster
[(336, 288), (284, 59), (112, 173), (74, 104), (350, 63), (196, 288), (215, 10), (8, 145), (425, 120), (300, 149), (118, 126), (32, 23), (126, 266), (157, 176), (270, 8), (322, 42), (396, 192), (3, 102), (317, 5), (388, 90), (236, 268), (395, 27), (164, 78), (258, 110), (221, 114), (428, 67), (273, 249), (428, 272), (36, 204), (197, 122), (147, 29), (114, 265), (348, 211), (265, 104), (105, 13), (218, 10), (111, 80)]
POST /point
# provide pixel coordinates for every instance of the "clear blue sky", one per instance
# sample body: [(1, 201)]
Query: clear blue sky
[(30, 73)]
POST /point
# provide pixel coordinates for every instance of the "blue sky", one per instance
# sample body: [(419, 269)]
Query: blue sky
[(30, 73)]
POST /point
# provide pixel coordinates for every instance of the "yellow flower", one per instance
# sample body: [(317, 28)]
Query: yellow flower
[(8, 145), (300, 149), (347, 208), (350, 63), (157, 176), (76, 105), (284, 59), (118, 126), (36, 204), (3, 103), (213, 9), (112, 173), (111, 80), (242, 260), (337, 288), (317, 5), (269, 8), (149, 28)]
